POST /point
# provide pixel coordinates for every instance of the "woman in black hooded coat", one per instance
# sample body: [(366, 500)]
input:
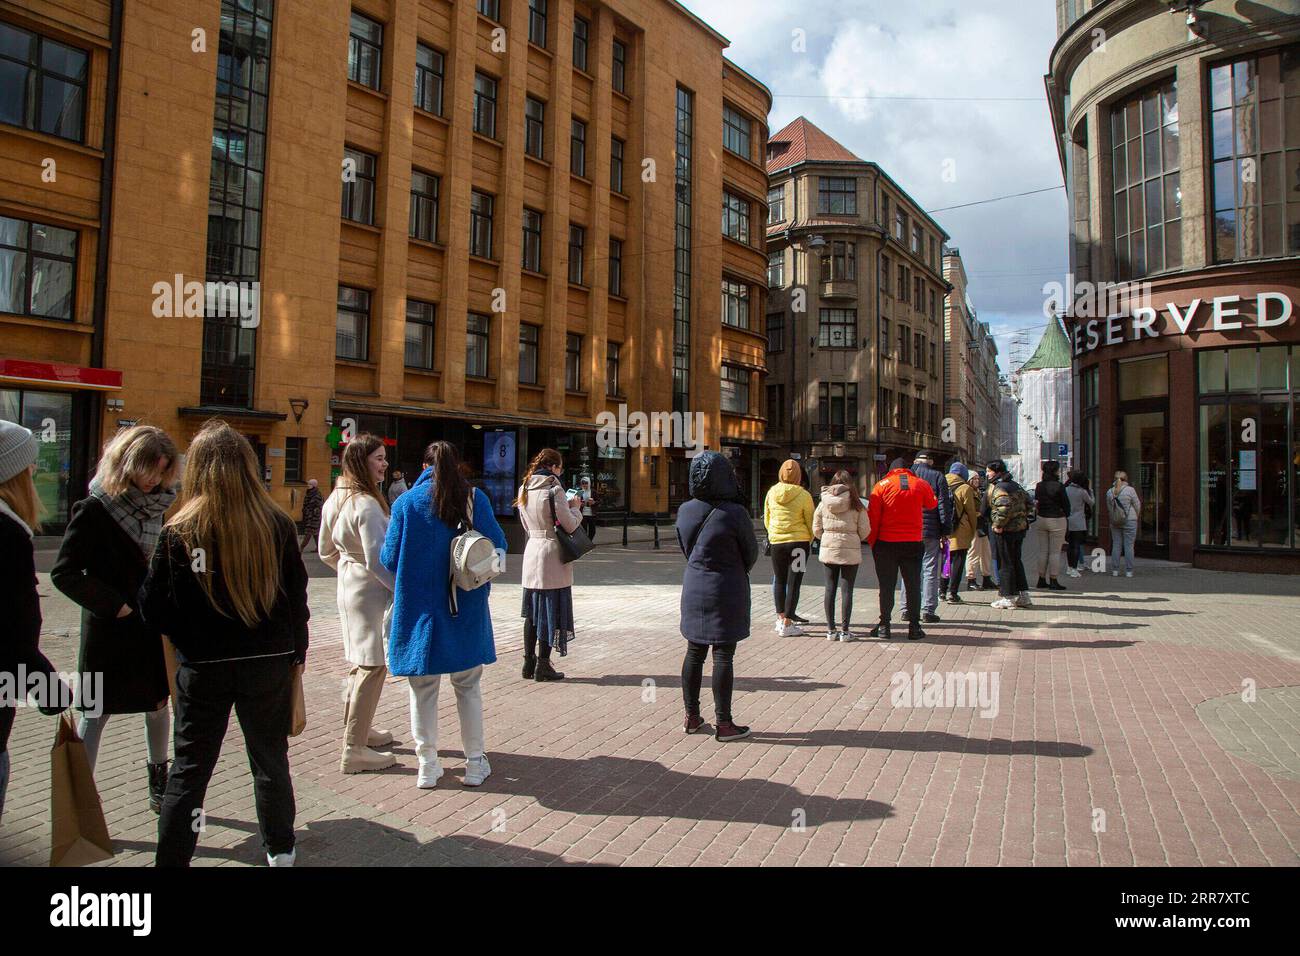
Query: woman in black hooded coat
[(716, 534)]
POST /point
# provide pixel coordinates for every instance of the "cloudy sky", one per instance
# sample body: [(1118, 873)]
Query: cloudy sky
[(978, 67)]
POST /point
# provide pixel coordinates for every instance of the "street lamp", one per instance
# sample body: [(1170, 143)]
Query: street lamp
[(299, 405)]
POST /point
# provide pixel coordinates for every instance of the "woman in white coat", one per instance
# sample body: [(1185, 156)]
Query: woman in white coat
[(354, 522)]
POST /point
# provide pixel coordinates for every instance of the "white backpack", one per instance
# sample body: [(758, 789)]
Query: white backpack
[(473, 561)]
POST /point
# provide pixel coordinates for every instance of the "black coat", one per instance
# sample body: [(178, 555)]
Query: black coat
[(1051, 499), (716, 534), (936, 522), (101, 568), (20, 638)]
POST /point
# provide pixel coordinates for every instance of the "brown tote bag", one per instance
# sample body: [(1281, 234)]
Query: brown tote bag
[(78, 832)]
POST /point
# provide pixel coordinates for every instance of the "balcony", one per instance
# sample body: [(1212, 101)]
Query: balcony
[(839, 289)]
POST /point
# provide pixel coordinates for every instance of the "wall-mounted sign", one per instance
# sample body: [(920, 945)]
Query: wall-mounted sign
[(1220, 314)]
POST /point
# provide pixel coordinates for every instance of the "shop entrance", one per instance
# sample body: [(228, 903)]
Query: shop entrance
[(1144, 447)]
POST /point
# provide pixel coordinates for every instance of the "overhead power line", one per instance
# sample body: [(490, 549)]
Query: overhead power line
[(981, 202), (892, 96)]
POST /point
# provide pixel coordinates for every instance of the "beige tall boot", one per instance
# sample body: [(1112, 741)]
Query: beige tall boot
[(364, 687)]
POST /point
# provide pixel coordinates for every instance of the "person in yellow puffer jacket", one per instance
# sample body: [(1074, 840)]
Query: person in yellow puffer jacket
[(788, 517)]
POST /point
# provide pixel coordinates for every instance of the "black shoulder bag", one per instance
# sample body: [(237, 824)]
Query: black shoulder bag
[(573, 544)]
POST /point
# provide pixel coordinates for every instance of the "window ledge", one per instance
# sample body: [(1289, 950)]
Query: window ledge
[(580, 178), (354, 363), (420, 111), (627, 197), (618, 297), (487, 260), (581, 72), (363, 226), (532, 272), (487, 379), (740, 242), (539, 160), (362, 88), (575, 394), (425, 372), (627, 97), (532, 386), (541, 49), (579, 286), (427, 243), (50, 138), (491, 140)]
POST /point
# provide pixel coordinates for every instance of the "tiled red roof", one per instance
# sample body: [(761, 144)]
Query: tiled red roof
[(801, 141)]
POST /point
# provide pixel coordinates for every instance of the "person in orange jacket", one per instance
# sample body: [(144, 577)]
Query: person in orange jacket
[(896, 511)]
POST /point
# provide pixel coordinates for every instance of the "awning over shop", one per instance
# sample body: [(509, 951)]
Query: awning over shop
[(55, 375)]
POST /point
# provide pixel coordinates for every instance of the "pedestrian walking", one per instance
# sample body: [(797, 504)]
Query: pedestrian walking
[(840, 523), (1076, 529), (588, 501), (546, 579), (1124, 508), (788, 516), (354, 524), (427, 639), (965, 504), (20, 638), (1054, 509), (1006, 506), (396, 487), (896, 512), (979, 560), (228, 587), (312, 502), (716, 535), (103, 560), (937, 526)]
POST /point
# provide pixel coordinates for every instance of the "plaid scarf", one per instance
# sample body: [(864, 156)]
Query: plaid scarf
[(139, 514)]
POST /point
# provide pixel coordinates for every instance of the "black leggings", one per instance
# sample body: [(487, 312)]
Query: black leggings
[(835, 573), (723, 677), (1075, 541), (958, 571), (530, 642), (789, 561)]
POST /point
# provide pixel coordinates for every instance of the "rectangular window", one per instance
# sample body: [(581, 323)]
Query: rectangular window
[(934, 305), (485, 105), (885, 267), (1145, 168), (841, 265), (776, 269), (424, 206), (934, 254), (615, 266), (918, 349), (885, 340), (735, 303), (578, 148), (837, 196), (38, 269), (903, 285), (295, 460), (776, 331), (430, 73), (480, 224), (529, 337), (838, 329), (735, 389), (735, 217), (577, 251), (884, 210), (934, 357), (620, 66), (42, 83), (904, 408), (918, 239), (615, 164), (420, 321), (532, 240), (534, 128), (900, 225), (352, 328), (775, 205), (573, 362), (365, 46), (736, 131), (537, 23), (918, 293), (885, 409), (478, 330), (612, 385), (490, 9), (905, 345), (776, 407), (1255, 148), (837, 409), (682, 226), (359, 186), (581, 31)]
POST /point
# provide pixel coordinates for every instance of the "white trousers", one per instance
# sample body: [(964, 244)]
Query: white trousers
[(469, 706)]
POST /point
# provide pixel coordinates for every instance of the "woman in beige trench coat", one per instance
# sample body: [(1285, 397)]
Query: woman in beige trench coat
[(354, 521)]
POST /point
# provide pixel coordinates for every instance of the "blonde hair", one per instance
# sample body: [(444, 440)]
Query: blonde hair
[(1121, 478), (228, 512), (133, 452), (19, 493)]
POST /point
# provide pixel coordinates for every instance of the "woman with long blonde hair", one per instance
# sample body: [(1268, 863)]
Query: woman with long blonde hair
[(1125, 509), (354, 522), (102, 563), (228, 588)]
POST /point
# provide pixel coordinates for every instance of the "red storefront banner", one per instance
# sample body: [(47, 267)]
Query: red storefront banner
[(23, 372)]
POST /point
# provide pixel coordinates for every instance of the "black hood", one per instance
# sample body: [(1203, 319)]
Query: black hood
[(712, 478)]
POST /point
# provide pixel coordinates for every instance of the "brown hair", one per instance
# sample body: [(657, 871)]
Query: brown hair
[(357, 479), (133, 452), (546, 458), (842, 477), (228, 512), (449, 502), (19, 493)]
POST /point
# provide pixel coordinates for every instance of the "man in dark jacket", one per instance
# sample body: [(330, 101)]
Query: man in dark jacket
[(937, 526), (896, 512), (1006, 508), (716, 534)]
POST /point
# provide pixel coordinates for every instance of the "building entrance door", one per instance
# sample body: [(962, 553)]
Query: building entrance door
[(1144, 455)]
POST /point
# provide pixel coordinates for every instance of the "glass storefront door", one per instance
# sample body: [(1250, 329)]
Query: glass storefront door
[(1144, 454), (49, 416)]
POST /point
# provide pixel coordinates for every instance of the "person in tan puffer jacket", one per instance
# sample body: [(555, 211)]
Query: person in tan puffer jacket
[(840, 523), (965, 516)]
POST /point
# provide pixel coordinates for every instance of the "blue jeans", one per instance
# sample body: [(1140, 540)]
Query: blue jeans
[(1121, 543), (931, 565)]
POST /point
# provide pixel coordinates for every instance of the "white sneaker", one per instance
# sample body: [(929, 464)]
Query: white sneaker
[(282, 859), (1128, 574), (1114, 574), (1073, 572), (847, 636), (476, 771), (1023, 600), (832, 634), (1003, 604), (430, 771), (791, 630)]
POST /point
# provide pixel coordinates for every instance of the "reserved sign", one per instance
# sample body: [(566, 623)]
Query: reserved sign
[(1220, 314)]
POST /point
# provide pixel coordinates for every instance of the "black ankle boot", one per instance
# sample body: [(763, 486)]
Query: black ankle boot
[(881, 630), (1042, 584), (530, 666), (157, 785), (545, 672), (988, 584)]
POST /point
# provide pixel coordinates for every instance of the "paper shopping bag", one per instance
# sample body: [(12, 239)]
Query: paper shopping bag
[(78, 832), (298, 721), (173, 664)]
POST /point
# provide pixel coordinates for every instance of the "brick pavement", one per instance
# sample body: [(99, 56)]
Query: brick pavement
[(1120, 738)]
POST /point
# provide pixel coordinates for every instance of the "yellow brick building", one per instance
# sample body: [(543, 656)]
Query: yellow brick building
[(488, 221)]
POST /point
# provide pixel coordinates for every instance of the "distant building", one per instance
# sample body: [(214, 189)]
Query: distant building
[(1044, 403)]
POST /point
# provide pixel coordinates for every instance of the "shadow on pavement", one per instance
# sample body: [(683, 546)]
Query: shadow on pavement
[(778, 684), (921, 741)]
